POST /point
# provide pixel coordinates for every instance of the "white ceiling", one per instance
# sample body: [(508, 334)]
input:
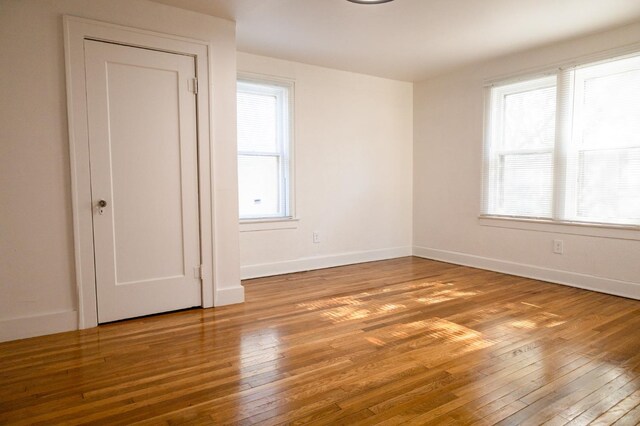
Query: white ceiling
[(408, 39)]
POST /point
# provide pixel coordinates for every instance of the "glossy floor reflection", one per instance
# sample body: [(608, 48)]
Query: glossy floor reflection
[(404, 341)]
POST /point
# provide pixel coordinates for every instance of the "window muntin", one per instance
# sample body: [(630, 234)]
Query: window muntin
[(584, 168), (264, 146)]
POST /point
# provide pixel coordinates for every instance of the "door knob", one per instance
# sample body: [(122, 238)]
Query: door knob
[(101, 205)]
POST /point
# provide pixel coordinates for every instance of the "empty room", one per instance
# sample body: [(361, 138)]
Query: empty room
[(328, 212)]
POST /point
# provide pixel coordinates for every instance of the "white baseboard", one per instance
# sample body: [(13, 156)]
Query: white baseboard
[(22, 328), (588, 282), (229, 296), (41, 325), (320, 262)]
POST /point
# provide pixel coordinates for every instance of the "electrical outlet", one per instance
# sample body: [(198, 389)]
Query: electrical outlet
[(558, 246), (316, 237)]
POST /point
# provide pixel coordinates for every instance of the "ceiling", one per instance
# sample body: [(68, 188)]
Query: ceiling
[(408, 39)]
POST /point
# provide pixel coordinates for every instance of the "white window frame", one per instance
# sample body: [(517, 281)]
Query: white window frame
[(494, 141), (574, 146), (563, 219), (284, 91)]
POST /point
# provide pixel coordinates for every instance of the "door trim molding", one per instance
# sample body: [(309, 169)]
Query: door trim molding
[(76, 30)]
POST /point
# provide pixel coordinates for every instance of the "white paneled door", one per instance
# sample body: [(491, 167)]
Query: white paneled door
[(144, 180)]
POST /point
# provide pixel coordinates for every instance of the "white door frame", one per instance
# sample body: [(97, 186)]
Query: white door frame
[(76, 30)]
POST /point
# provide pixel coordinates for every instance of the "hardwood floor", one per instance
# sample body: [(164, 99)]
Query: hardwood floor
[(404, 341)]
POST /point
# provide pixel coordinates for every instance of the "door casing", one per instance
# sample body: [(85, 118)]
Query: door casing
[(76, 31)]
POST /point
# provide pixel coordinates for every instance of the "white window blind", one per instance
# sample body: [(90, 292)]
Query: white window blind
[(263, 149), (566, 147), (605, 147)]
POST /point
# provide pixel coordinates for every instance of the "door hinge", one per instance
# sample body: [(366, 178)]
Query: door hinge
[(193, 85), (198, 271)]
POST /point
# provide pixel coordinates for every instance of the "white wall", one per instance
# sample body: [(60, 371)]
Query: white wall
[(37, 277), (448, 126), (353, 181)]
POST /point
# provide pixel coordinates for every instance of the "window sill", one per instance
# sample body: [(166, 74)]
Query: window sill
[(620, 232), (254, 225)]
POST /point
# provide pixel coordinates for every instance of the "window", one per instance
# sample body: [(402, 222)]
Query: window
[(566, 147), (264, 148)]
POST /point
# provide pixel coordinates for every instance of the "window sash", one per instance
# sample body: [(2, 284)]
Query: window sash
[(281, 201), (496, 148)]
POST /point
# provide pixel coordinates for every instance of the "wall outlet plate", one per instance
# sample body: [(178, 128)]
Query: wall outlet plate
[(558, 246)]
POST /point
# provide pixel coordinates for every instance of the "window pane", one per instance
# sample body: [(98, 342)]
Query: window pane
[(526, 184), (611, 108), (529, 119), (257, 122), (259, 186), (609, 185)]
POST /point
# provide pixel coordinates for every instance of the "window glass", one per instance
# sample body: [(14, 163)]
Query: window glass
[(264, 146), (583, 168)]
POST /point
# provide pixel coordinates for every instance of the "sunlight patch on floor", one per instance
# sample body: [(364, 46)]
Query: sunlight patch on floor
[(434, 331), (349, 308), (540, 320), (445, 296), (356, 312)]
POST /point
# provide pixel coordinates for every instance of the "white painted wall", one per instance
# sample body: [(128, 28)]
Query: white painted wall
[(353, 180), (448, 126), (354, 183), (37, 277)]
